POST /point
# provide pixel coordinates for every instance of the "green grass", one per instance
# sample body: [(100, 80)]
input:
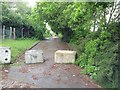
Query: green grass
[(18, 46)]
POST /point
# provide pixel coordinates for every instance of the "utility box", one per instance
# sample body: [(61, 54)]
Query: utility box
[(5, 55), (65, 56), (34, 56)]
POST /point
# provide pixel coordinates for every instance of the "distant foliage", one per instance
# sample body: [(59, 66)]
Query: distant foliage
[(18, 15)]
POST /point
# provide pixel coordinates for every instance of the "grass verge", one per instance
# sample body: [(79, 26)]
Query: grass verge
[(18, 46)]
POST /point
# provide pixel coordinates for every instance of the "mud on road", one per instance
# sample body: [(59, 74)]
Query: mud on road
[(47, 74)]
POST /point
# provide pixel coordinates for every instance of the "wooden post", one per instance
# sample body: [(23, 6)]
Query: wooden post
[(14, 33), (10, 35), (22, 32), (3, 32)]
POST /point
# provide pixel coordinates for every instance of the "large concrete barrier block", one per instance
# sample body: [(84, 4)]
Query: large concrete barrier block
[(5, 55), (34, 56), (65, 56)]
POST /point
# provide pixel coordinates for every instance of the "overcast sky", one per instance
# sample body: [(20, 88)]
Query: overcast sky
[(32, 3)]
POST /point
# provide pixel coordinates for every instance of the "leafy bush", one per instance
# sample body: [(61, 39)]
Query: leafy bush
[(108, 64), (100, 59)]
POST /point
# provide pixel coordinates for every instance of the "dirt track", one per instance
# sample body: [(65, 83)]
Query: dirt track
[(47, 74)]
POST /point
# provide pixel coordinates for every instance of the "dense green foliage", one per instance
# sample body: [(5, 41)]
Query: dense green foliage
[(18, 15), (87, 27)]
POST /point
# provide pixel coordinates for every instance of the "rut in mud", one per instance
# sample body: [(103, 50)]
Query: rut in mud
[(47, 74)]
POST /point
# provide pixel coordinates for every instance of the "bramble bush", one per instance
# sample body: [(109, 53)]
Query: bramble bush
[(100, 59)]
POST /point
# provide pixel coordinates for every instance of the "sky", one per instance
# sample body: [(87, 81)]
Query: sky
[(31, 3)]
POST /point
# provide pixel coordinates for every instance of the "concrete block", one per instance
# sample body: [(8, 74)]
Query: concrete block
[(5, 55), (65, 56), (34, 56)]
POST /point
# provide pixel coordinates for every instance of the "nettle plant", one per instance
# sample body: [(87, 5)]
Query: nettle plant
[(86, 59), (91, 49)]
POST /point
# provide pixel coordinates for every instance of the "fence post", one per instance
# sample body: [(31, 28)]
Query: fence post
[(10, 35), (3, 33), (22, 32), (14, 33)]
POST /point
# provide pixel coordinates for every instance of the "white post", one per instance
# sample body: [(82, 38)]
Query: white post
[(10, 35), (3, 33), (14, 33)]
